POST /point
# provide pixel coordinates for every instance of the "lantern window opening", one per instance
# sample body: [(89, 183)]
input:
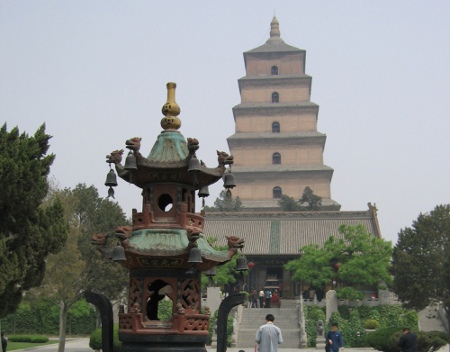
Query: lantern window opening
[(165, 202)]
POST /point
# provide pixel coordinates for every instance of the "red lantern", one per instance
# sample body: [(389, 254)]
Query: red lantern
[(337, 266), (251, 265)]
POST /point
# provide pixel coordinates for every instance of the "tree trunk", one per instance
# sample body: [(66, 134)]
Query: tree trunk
[(63, 310)]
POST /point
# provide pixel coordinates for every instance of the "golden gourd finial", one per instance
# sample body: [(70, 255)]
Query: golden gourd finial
[(170, 110)]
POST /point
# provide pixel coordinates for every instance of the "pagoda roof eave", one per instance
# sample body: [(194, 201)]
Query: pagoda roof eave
[(149, 172), (172, 243)]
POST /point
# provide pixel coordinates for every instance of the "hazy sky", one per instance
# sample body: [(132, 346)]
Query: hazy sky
[(95, 73)]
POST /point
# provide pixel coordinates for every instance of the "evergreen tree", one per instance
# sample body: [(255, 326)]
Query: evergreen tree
[(288, 203), (29, 229), (314, 202), (420, 262), (225, 202)]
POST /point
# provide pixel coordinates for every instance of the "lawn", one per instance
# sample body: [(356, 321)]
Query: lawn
[(19, 345)]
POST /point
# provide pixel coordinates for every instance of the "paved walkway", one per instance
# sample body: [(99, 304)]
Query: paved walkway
[(82, 345)]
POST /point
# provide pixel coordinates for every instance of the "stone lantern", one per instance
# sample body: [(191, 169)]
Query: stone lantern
[(165, 250)]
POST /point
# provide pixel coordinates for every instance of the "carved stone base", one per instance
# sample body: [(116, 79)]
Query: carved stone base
[(162, 343)]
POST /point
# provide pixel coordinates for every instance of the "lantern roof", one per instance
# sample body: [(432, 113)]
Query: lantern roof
[(170, 156)]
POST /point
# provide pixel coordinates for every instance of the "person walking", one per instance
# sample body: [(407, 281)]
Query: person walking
[(261, 298), (334, 339), (4, 342), (268, 336), (268, 295), (408, 341), (254, 299)]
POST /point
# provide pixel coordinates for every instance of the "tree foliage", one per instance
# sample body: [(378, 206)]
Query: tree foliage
[(79, 266), (225, 273), (356, 259), (308, 202), (314, 202), (288, 203), (29, 229), (421, 260), (225, 203)]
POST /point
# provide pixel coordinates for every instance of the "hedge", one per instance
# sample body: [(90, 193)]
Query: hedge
[(95, 341), (28, 338), (43, 318)]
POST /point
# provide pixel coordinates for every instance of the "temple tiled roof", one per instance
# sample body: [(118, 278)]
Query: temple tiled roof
[(283, 233)]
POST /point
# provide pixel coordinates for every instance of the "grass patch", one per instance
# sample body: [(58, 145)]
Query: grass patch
[(19, 345)]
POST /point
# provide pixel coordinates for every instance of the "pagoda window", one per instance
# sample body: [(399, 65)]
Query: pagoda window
[(275, 97), (277, 192), (276, 127), (276, 158), (274, 70)]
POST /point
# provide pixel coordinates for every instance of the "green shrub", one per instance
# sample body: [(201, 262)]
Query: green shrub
[(312, 315), (427, 341), (349, 293), (212, 326), (371, 324), (95, 342), (165, 309), (379, 339), (42, 317), (28, 338)]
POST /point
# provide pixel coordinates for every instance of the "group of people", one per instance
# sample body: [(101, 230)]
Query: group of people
[(269, 336), (265, 299)]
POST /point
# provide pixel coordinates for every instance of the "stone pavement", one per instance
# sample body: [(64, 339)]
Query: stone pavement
[(82, 345)]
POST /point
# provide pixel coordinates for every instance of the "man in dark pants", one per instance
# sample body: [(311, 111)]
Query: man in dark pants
[(4, 342), (408, 342), (334, 339)]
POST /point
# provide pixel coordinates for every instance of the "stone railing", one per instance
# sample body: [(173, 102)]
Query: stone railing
[(302, 324), (371, 299)]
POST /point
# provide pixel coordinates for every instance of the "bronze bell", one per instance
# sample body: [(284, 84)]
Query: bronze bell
[(211, 272), (194, 164), (203, 192), (195, 256), (228, 181), (118, 254), (111, 179), (241, 264), (130, 162)]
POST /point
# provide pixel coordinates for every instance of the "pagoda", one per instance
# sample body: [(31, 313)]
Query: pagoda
[(277, 147)]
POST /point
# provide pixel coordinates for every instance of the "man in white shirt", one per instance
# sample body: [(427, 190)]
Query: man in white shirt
[(268, 336)]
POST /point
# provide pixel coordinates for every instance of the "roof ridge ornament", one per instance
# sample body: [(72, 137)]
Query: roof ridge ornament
[(171, 110)]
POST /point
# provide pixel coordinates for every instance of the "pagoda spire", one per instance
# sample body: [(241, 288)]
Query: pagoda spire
[(274, 28)]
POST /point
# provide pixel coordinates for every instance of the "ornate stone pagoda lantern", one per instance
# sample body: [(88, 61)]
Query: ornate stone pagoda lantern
[(165, 250)]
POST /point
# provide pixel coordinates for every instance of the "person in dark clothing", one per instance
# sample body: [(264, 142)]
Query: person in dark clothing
[(408, 342), (334, 339), (4, 342)]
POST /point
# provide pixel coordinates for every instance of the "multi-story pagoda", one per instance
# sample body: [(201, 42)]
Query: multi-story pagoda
[(278, 150), (165, 250), (276, 144)]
